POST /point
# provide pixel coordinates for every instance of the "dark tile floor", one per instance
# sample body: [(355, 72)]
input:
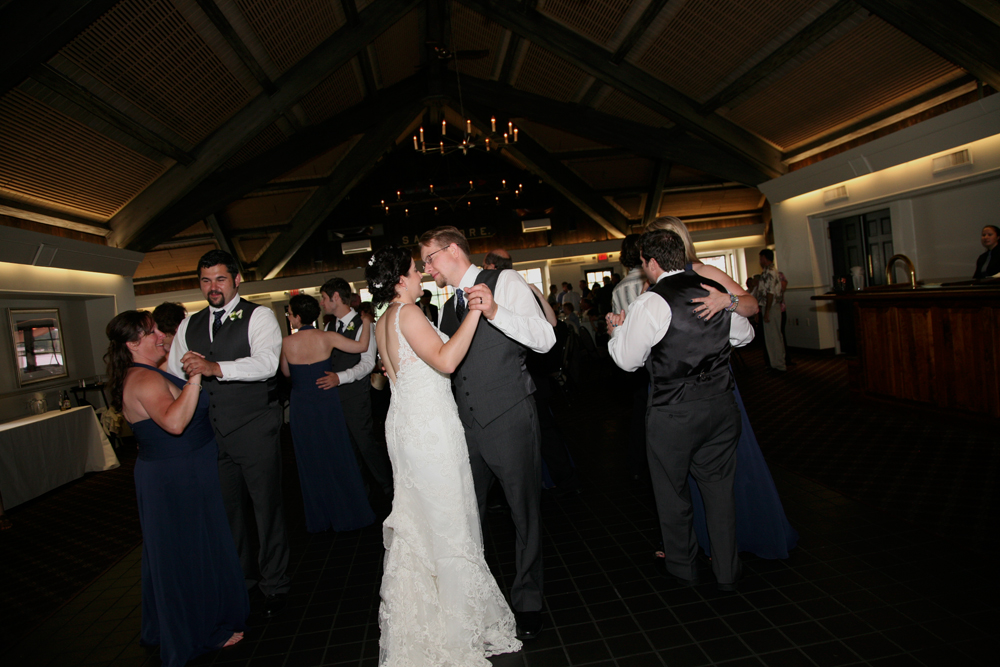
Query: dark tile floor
[(862, 587)]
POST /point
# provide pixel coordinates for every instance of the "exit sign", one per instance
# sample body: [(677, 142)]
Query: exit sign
[(603, 257)]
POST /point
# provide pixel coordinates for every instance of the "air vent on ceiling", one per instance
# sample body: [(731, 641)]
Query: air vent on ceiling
[(540, 225), (356, 247), (951, 161), (835, 194)]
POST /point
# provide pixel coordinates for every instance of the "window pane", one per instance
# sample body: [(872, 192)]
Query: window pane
[(719, 262)]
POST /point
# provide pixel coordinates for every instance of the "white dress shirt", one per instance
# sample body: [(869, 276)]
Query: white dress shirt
[(366, 365), (628, 290), (646, 324), (519, 317), (265, 345)]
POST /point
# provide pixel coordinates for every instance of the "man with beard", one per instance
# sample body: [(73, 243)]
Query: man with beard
[(235, 345)]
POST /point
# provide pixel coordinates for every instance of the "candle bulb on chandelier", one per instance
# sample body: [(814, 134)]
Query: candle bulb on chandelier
[(487, 144), (470, 185), (510, 127), (468, 127), (515, 135), (493, 124), (442, 148), (505, 138), (415, 146), (444, 127), (399, 195), (421, 134), (432, 188), (504, 183)]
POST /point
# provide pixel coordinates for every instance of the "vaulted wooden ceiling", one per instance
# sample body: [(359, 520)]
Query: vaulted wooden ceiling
[(175, 126)]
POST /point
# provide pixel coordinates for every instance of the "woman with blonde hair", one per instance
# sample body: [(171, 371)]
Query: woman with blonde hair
[(761, 525)]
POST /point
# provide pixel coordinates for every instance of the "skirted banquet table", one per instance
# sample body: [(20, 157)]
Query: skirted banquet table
[(41, 452)]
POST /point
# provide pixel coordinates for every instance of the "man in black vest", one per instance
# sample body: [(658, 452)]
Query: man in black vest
[(235, 345), (493, 392), (350, 374), (692, 422)]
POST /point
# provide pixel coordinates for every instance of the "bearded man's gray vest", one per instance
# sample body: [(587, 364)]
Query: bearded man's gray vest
[(341, 361), (691, 362), (231, 404), (492, 378)]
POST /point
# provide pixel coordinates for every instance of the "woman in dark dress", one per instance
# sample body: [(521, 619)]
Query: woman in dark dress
[(193, 595), (333, 492)]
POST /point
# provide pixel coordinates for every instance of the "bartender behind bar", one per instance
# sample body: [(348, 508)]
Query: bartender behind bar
[(988, 264)]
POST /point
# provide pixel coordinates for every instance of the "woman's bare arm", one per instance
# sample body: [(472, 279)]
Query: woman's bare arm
[(151, 391), (716, 300), (425, 341)]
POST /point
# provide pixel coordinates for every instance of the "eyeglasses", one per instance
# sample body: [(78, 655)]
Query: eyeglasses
[(429, 259)]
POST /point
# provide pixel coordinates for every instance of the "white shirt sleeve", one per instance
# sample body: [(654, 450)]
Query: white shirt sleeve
[(265, 350), (365, 366), (646, 323), (740, 331), (178, 349), (519, 317)]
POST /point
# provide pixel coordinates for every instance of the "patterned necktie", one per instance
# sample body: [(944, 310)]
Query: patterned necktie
[(460, 309), (340, 326), (217, 324)]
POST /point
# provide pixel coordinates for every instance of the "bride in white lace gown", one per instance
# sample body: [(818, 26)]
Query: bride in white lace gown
[(441, 606)]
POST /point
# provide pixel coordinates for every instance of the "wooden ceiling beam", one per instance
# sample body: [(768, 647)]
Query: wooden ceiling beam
[(65, 87), (358, 163), (131, 223), (823, 24), (652, 10), (223, 239), (26, 211), (655, 195), (950, 28), (564, 180), (364, 60), (592, 154), (234, 41), (219, 189), (32, 31), (741, 145), (589, 123)]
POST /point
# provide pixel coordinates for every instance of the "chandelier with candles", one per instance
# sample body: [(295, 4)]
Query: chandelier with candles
[(446, 144)]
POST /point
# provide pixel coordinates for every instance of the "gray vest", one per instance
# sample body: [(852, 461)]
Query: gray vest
[(341, 361), (492, 378), (231, 404)]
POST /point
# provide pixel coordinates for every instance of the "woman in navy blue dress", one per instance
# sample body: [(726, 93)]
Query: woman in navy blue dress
[(333, 492), (193, 595)]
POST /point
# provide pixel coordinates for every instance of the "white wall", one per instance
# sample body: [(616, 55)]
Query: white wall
[(936, 219)]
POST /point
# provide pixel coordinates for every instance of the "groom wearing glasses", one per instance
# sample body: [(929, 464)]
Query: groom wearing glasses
[(493, 392)]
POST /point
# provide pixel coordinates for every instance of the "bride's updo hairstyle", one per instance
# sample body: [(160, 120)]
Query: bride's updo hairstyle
[(383, 272)]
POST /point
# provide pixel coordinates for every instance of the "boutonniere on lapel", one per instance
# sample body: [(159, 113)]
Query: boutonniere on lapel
[(350, 327), (236, 315)]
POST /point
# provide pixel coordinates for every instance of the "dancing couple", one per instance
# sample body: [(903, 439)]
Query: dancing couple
[(440, 604)]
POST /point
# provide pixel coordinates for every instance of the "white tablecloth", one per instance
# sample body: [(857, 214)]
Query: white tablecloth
[(40, 452)]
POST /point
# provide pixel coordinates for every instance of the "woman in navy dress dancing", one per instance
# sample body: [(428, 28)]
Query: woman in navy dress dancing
[(333, 492), (193, 596)]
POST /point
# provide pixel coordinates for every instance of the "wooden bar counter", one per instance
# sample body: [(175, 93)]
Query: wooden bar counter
[(933, 345)]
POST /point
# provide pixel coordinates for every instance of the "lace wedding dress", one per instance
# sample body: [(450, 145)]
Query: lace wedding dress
[(441, 606)]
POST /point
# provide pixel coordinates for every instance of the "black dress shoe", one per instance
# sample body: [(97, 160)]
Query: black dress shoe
[(529, 624), (660, 565), (274, 605)]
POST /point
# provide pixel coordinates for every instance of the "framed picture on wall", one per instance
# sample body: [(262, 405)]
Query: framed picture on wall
[(39, 353)]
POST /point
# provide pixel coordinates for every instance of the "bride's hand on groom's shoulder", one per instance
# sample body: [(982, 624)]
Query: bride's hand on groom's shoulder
[(481, 298)]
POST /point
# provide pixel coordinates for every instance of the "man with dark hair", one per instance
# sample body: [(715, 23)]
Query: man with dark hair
[(637, 382), (429, 309), (988, 264), (493, 393), (768, 293), (630, 286), (692, 423), (235, 345), (350, 374)]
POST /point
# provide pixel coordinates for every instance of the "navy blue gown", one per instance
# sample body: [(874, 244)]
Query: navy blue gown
[(333, 492), (193, 592), (761, 525)]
